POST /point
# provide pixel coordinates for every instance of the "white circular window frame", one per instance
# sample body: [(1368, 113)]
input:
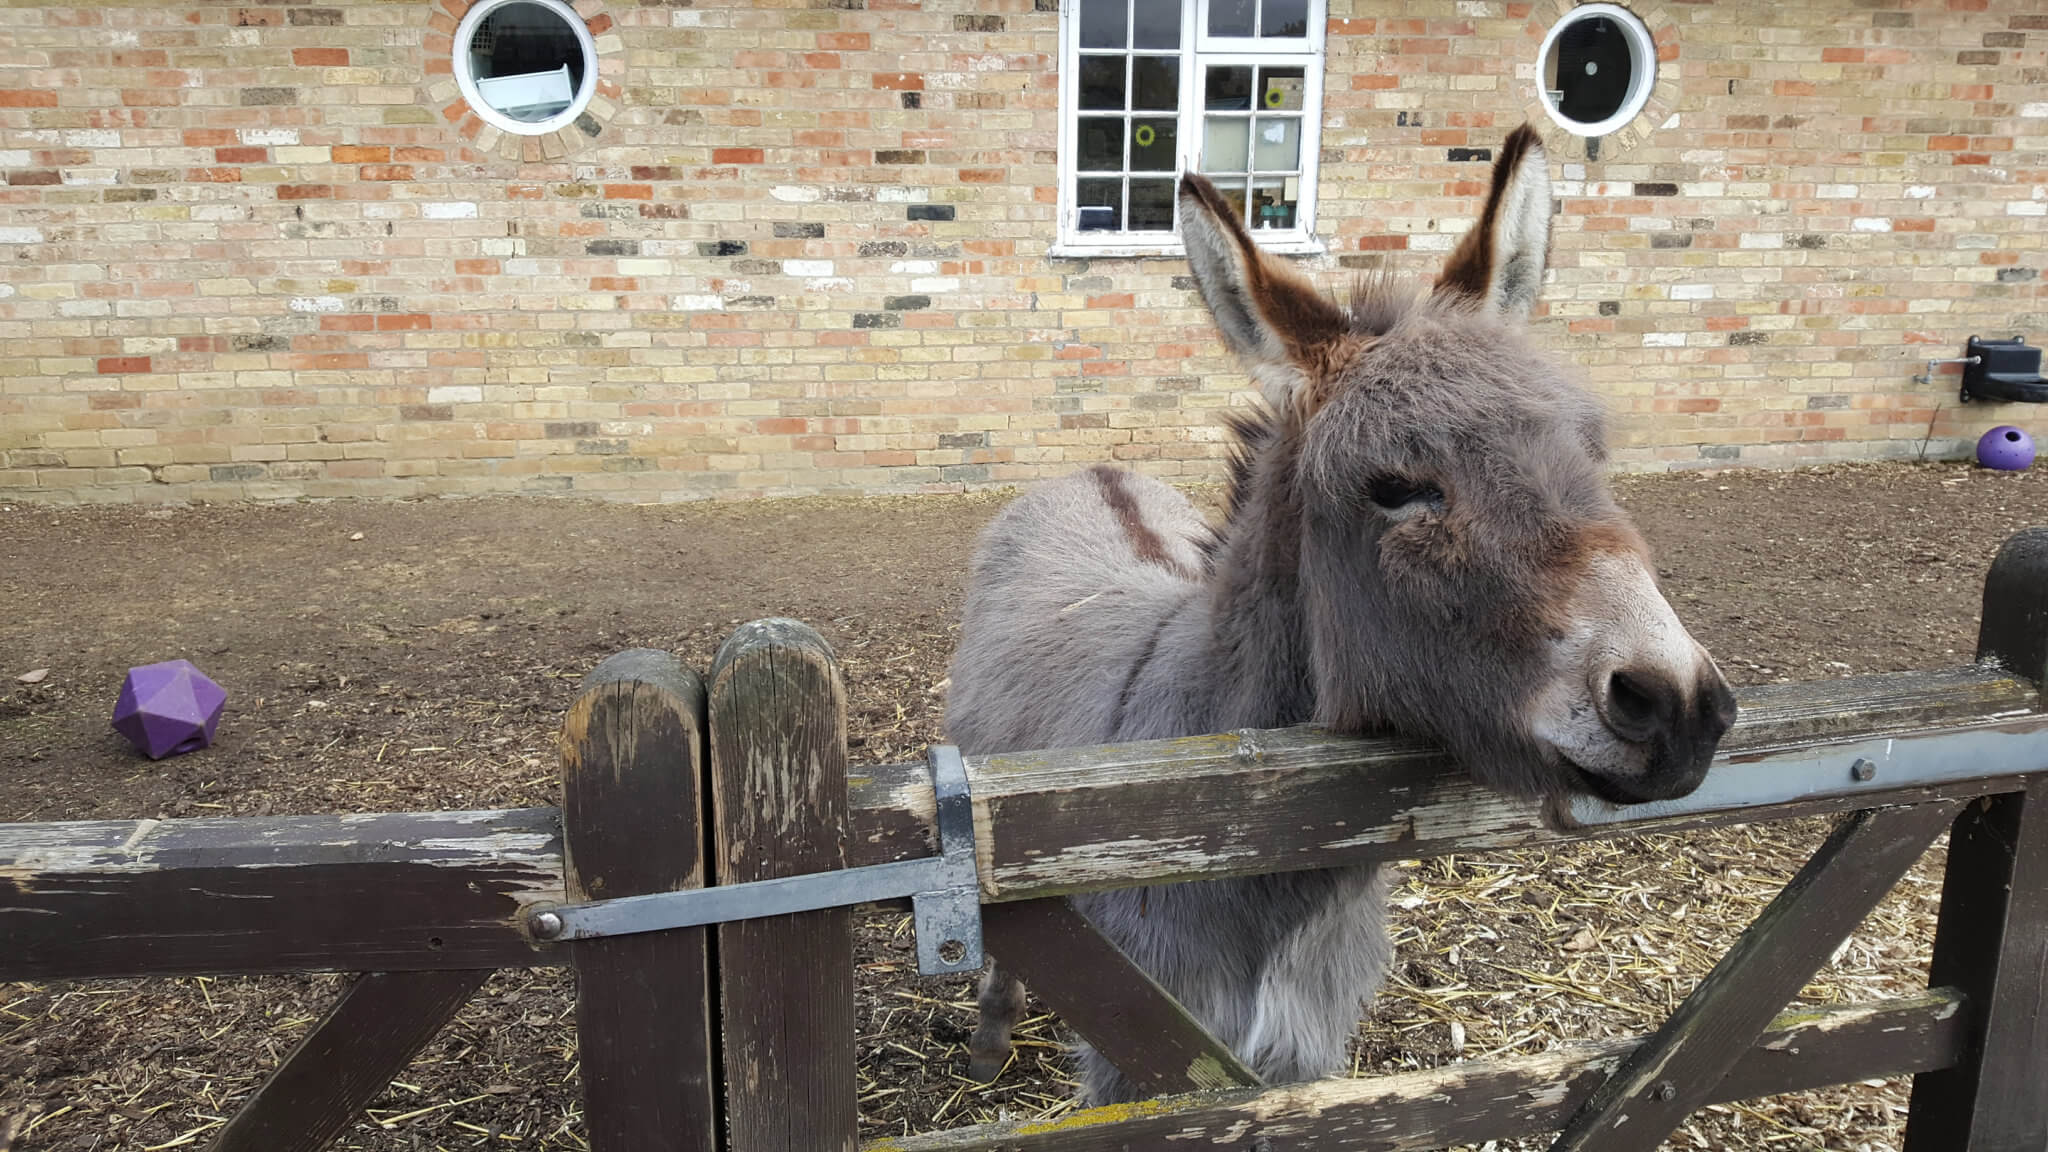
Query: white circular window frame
[(1642, 57), (496, 119)]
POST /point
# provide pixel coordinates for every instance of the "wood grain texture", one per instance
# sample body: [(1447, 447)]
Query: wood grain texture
[(633, 753), (1674, 1072), (1992, 941), (778, 755), (444, 890), (347, 1060), (1110, 1001), (1468, 1104)]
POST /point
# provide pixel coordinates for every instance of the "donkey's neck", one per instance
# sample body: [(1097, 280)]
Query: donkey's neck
[(1257, 631)]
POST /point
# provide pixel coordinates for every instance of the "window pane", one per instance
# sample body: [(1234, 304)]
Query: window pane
[(1151, 205), (1278, 144), (1224, 143), (1228, 89), (1101, 203), (1589, 70), (1152, 146), (1231, 17), (1102, 82), (1233, 193), (1283, 18), (1102, 23), (1102, 143), (1158, 24), (1275, 203), (1155, 82), (1281, 89)]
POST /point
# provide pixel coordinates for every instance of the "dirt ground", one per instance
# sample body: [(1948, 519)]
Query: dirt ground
[(419, 656)]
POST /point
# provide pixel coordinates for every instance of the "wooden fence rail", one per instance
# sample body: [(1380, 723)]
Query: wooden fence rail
[(739, 1036)]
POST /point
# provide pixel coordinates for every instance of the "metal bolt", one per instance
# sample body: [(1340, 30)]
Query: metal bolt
[(1663, 1092), (546, 925), (1863, 771)]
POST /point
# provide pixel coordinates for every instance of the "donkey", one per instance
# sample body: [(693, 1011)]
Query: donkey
[(1419, 539)]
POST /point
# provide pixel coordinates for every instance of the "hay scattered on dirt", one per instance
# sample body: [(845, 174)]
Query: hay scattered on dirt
[(427, 665)]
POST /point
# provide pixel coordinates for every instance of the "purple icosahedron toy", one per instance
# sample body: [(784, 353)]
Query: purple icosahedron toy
[(168, 708)]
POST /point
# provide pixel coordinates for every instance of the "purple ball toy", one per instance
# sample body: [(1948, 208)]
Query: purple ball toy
[(168, 708), (2006, 448)]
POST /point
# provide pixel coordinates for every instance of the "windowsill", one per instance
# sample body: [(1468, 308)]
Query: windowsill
[(1173, 249)]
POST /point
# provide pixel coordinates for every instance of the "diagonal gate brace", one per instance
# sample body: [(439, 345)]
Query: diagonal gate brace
[(1677, 1070), (944, 891)]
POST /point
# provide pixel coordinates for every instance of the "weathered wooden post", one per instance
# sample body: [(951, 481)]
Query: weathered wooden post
[(1992, 942), (632, 823), (778, 759)]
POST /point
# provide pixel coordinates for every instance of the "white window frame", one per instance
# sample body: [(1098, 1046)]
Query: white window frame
[(466, 81), (1642, 64), (1198, 49)]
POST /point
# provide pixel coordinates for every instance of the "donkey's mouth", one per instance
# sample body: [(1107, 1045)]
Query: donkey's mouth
[(1605, 788)]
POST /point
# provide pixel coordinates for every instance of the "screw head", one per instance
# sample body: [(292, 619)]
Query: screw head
[(1863, 771), (546, 925), (1664, 1091)]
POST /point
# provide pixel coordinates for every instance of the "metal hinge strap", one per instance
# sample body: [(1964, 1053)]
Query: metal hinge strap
[(944, 890)]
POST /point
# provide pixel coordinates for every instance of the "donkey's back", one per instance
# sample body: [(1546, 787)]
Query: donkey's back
[(1072, 587)]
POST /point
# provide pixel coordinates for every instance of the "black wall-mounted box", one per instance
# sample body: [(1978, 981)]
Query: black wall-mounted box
[(2005, 370)]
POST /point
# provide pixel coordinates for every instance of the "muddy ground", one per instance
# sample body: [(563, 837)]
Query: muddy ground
[(419, 656)]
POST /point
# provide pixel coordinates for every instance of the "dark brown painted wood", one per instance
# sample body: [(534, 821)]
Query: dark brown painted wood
[(778, 755), (433, 890), (347, 1060), (1674, 1071), (1110, 1001), (1993, 935), (632, 812), (1468, 1104), (444, 890), (1993, 941)]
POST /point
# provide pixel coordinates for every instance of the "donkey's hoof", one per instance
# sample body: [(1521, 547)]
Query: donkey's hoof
[(984, 1067)]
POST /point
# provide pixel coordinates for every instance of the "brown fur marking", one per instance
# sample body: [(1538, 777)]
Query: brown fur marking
[(1144, 541)]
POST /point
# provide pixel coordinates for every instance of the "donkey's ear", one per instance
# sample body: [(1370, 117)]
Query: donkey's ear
[(1500, 261), (1272, 318)]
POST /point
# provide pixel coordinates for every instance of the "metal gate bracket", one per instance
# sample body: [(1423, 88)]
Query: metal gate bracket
[(944, 891)]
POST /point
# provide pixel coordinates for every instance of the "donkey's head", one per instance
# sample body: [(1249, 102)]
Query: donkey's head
[(1464, 572)]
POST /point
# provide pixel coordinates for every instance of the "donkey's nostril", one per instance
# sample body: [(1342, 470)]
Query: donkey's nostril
[(1636, 705)]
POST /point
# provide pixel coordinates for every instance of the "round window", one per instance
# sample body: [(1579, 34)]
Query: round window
[(526, 66), (1598, 66)]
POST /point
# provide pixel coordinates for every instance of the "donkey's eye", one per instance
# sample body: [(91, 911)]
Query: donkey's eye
[(1393, 493)]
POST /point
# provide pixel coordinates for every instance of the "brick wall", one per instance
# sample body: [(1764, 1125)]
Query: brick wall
[(257, 252)]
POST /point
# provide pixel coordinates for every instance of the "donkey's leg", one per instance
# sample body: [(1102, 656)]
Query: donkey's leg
[(1001, 1005)]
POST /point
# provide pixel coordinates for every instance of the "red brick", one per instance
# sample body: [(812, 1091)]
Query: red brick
[(241, 155), (305, 191), (736, 156), (123, 365), (359, 154), (28, 98), (900, 81)]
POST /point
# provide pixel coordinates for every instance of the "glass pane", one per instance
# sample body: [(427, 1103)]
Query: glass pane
[(1158, 24), (527, 62), (1225, 143), (1280, 89), (1102, 82), (1228, 89), (1283, 18), (1231, 17), (1274, 203), (1102, 143), (1232, 191), (1151, 205), (1102, 23), (1152, 147), (1101, 203), (1589, 70), (1155, 82), (1277, 145)]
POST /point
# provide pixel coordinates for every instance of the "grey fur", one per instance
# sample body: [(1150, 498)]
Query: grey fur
[(1407, 541)]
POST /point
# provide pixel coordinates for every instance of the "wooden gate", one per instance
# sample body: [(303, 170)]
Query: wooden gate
[(740, 1037)]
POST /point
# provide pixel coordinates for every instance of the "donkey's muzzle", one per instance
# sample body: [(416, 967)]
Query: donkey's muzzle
[(1677, 725)]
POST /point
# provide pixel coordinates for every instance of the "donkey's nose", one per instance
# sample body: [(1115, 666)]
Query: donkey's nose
[(1649, 706)]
